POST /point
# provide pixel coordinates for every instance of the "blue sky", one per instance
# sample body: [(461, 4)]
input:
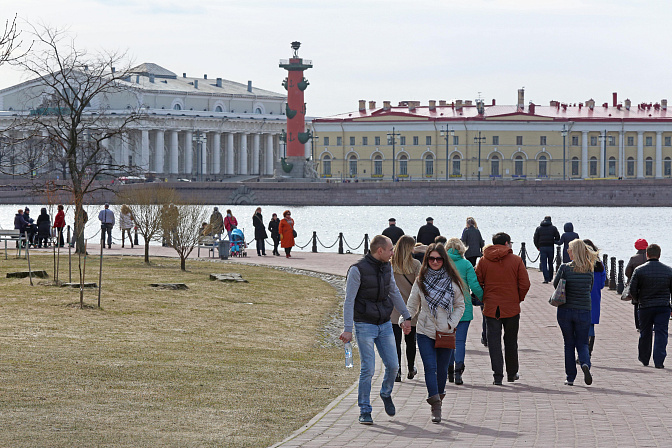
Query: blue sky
[(393, 50)]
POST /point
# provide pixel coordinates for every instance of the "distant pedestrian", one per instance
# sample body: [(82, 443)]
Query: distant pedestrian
[(505, 283), (31, 228), (651, 286), (545, 238), (393, 232), (126, 224), (599, 282), (636, 260), (260, 234), (43, 228), (59, 224), (428, 232), (217, 223), (230, 223), (472, 239), (287, 233), (106, 217), (566, 238), (20, 223), (574, 316), (274, 228)]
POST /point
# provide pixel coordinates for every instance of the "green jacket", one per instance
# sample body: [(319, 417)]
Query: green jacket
[(466, 271)]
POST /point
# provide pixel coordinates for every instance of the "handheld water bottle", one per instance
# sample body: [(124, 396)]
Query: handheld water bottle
[(348, 355)]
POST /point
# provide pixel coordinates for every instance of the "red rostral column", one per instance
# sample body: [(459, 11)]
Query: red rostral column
[(295, 83)]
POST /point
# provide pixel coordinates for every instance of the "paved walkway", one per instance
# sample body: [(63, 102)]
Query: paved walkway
[(627, 405)]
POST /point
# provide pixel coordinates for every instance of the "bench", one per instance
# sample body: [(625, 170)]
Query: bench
[(207, 242), (11, 235)]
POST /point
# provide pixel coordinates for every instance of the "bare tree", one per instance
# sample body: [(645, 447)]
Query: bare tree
[(10, 42), (68, 104), (186, 233), (147, 205)]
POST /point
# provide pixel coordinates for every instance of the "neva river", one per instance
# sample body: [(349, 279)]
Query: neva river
[(613, 230)]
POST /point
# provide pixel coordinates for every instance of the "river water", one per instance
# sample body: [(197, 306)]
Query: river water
[(613, 230)]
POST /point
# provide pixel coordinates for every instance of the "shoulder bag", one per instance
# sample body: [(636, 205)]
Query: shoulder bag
[(443, 339), (626, 294), (559, 296)]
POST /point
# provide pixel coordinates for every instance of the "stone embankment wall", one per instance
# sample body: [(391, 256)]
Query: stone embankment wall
[(614, 193)]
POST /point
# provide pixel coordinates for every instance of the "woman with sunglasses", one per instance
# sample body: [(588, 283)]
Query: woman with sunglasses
[(286, 229), (437, 295)]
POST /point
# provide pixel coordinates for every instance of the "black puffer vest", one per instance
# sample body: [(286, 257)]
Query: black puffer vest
[(372, 303)]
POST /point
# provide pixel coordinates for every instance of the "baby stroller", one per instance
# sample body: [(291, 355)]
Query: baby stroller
[(237, 243)]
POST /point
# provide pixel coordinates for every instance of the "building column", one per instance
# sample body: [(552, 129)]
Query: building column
[(308, 148), (229, 154), (204, 154), (659, 154), (143, 163), (216, 152), (174, 152), (621, 154), (159, 151), (243, 153), (603, 156), (255, 153), (584, 154), (269, 154), (188, 153), (124, 150), (640, 154)]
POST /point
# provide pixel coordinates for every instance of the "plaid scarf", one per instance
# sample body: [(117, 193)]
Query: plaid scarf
[(439, 287)]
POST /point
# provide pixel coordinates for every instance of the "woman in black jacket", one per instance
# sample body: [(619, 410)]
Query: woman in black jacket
[(274, 228), (43, 228), (260, 234), (471, 237)]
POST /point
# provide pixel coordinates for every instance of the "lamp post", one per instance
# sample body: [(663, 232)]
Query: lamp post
[(603, 137), (564, 154), (479, 139), (392, 137), (446, 133)]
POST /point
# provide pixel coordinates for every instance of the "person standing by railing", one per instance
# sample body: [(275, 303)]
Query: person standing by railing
[(274, 228), (260, 234), (59, 224), (287, 233)]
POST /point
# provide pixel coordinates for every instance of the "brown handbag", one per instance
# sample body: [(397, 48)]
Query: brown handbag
[(444, 340)]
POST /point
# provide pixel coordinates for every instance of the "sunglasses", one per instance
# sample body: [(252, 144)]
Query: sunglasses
[(435, 259)]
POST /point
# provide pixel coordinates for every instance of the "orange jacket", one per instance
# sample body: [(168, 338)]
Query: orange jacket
[(504, 279), (286, 230)]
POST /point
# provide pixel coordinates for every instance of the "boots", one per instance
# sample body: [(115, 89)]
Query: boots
[(451, 373), (435, 402), (591, 343), (441, 396), (459, 368)]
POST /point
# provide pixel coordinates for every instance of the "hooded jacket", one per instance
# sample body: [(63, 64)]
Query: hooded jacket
[(468, 275), (546, 234), (504, 279), (566, 238)]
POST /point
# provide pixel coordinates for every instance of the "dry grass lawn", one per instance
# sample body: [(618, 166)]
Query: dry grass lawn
[(222, 364)]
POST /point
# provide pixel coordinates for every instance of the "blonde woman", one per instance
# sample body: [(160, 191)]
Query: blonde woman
[(126, 224), (574, 315), (405, 269)]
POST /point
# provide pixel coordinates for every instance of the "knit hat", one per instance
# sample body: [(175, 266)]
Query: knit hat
[(641, 244)]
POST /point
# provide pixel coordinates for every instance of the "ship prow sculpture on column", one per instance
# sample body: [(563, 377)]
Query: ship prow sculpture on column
[(294, 165)]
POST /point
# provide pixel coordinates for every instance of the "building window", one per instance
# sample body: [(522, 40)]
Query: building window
[(575, 140), (416, 140), (611, 140), (649, 141), (378, 165), (630, 166), (218, 109), (377, 141), (494, 166), (457, 162), (631, 141), (456, 140), (575, 166), (519, 140), (612, 166), (403, 166), (593, 140), (353, 165), (326, 166), (495, 140), (668, 141), (429, 165), (428, 140), (352, 141), (542, 140), (326, 141), (365, 141), (648, 166), (339, 141), (593, 166), (518, 165), (258, 111), (402, 140), (177, 107), (667, 167), (542, 167)]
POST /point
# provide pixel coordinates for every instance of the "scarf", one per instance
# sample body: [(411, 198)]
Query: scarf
[(439, 287)]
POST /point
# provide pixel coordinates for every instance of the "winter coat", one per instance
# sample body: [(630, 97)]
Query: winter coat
[(445, 321), (578, 286), (259, 228), (405, 284), (651, 284), (125, 221), (635, 260), (504, 280), (546, 234), (59, 221), (286, 229), (230, 223), (217, 222), (566, 238), (471, 237), (274, 228), (20, 223), (599, 282), (468, 275), (393, 233), (44, 225), (427, 234)]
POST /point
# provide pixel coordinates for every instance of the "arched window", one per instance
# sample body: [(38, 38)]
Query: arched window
[(177, 107), (378, 165), (258, 111), (403, 165), (593, 166), (429, 165), (667, 167), (542, 166), (326, 166), (612, 166), (352, 165), (494, 165), (630, 167), (518, 165), (218, 109), (648, 166), (575, 166), (457, 165)]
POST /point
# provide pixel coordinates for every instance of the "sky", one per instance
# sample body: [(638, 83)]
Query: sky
[(565, 50)]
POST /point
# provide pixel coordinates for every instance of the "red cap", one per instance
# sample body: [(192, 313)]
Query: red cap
[(641, 244)]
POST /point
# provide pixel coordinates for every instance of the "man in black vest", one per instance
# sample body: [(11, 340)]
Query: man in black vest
[(370, 296)]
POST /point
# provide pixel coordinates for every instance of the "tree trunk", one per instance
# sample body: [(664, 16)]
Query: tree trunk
[(183, 263)]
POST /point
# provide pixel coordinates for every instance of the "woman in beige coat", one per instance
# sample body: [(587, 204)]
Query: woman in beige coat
[(437, 299)]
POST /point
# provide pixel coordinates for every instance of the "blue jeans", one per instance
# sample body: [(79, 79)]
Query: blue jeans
[(575, 325), (653, 320), (383, 338), (546, 254), (435, 361), (457, 355)]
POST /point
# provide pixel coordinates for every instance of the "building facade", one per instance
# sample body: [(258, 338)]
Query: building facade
[(465, 140)]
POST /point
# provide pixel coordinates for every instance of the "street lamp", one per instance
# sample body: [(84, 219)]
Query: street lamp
[(445, 133), (564, 154), (392, 138), (603, 138), (479, 139)]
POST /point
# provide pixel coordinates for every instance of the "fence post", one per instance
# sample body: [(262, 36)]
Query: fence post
[(366, 243), (136, 236), (340, 243), (523, 254), (558, 258), (605, 262), (314, 242), (612, 274), (620, 286), (68, 236)]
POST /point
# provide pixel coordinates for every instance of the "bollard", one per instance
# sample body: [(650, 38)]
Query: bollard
[(558, 258), (620, 286), (314, 242), (523, 254), (612, 274), (605, 262), (340, 243), (366, 243), (136, 236)]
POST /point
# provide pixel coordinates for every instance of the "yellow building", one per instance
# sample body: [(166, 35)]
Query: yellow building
[(462, 139)]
